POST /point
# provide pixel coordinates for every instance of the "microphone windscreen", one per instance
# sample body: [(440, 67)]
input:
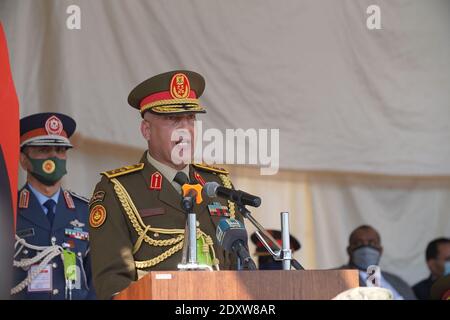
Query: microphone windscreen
[(229, 231), (210, 189)]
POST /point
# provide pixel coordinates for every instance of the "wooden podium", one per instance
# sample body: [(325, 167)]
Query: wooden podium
[(243, 285)]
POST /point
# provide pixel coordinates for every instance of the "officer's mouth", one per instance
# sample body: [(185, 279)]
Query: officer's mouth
[(183, 143)]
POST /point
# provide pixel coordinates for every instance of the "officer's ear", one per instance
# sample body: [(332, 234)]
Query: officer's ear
[(24, 163), (433, 266), (349, 251), (145, 129)]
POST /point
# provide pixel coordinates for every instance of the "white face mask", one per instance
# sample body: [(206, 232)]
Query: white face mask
[(446, 268), (365, 256)]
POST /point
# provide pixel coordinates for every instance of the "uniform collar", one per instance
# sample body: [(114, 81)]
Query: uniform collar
[(43, 198), (168, 172), (167, 194)]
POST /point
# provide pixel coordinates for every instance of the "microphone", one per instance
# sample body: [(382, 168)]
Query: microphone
[(213, 189), (232, 236)]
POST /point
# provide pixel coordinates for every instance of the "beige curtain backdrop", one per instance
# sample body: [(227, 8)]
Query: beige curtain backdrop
[(364, 115)]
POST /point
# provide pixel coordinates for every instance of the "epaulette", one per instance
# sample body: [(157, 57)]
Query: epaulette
[(209, 168), (73, 194), (122, 171)]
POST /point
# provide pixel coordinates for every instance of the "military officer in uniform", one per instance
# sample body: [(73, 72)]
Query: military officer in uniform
[(52, 250), (136, 219)]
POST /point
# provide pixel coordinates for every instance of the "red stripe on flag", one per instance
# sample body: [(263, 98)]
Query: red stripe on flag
[(9, 121)]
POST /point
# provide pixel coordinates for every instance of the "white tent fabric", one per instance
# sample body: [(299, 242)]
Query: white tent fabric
[(345, 97), (374, 104)]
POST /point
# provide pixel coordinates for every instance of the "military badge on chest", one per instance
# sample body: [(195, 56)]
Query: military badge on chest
[(77, 232), (217, 209)]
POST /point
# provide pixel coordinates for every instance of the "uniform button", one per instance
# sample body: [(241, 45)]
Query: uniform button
[(79, 254), (156, 234), (53, 239), (25, 251), (54, 265), (55, 292)]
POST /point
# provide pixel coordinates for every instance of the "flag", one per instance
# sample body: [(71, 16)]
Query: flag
[(9, 162)]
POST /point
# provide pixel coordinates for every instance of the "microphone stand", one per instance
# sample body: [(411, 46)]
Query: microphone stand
[(189, 257), (280, 254)]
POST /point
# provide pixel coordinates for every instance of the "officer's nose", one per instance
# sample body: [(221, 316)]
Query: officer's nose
[(186, 123), (53, 152)]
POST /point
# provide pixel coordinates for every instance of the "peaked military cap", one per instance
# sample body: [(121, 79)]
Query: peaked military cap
[(46, 129), (171, 92)]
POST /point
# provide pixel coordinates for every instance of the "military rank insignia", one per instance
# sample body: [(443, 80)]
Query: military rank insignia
[(217, 209), (97, 216), (199, 178), (156, 181), (69, 200), (24, 198)]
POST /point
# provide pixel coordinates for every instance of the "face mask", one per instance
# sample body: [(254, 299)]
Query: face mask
[(365, 256), (447, 268), (48, 171)]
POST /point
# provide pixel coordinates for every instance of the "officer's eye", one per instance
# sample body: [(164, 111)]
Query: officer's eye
[(61, 149), (44, 149), (189, 117)]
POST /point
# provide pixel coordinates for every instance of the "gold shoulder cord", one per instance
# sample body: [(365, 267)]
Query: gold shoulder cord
[(142, 229), (227, 184)]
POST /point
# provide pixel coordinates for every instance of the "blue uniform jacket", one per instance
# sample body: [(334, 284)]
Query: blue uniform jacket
[(71, 220)]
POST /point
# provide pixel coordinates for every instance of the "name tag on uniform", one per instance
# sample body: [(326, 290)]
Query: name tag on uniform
[(77, 233), (43, 281)]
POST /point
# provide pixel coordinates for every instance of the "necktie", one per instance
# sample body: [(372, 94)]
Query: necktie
[(50, 205), (181, 178)]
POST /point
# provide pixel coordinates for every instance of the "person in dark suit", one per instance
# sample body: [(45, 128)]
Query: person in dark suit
[(365, 250), (52, 250), (437, 256)]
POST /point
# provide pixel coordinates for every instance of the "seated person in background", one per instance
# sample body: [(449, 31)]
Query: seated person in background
[(265, 260), (364, 249), (437, 256)]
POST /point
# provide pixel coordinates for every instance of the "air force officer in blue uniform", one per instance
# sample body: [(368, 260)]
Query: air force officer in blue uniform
[(52, 258)]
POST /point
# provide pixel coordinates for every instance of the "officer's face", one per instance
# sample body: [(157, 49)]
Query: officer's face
[(364, 237), (160, 131), (42, 152)]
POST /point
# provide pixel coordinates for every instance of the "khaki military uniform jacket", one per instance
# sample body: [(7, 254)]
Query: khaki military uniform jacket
[(134, 229)]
